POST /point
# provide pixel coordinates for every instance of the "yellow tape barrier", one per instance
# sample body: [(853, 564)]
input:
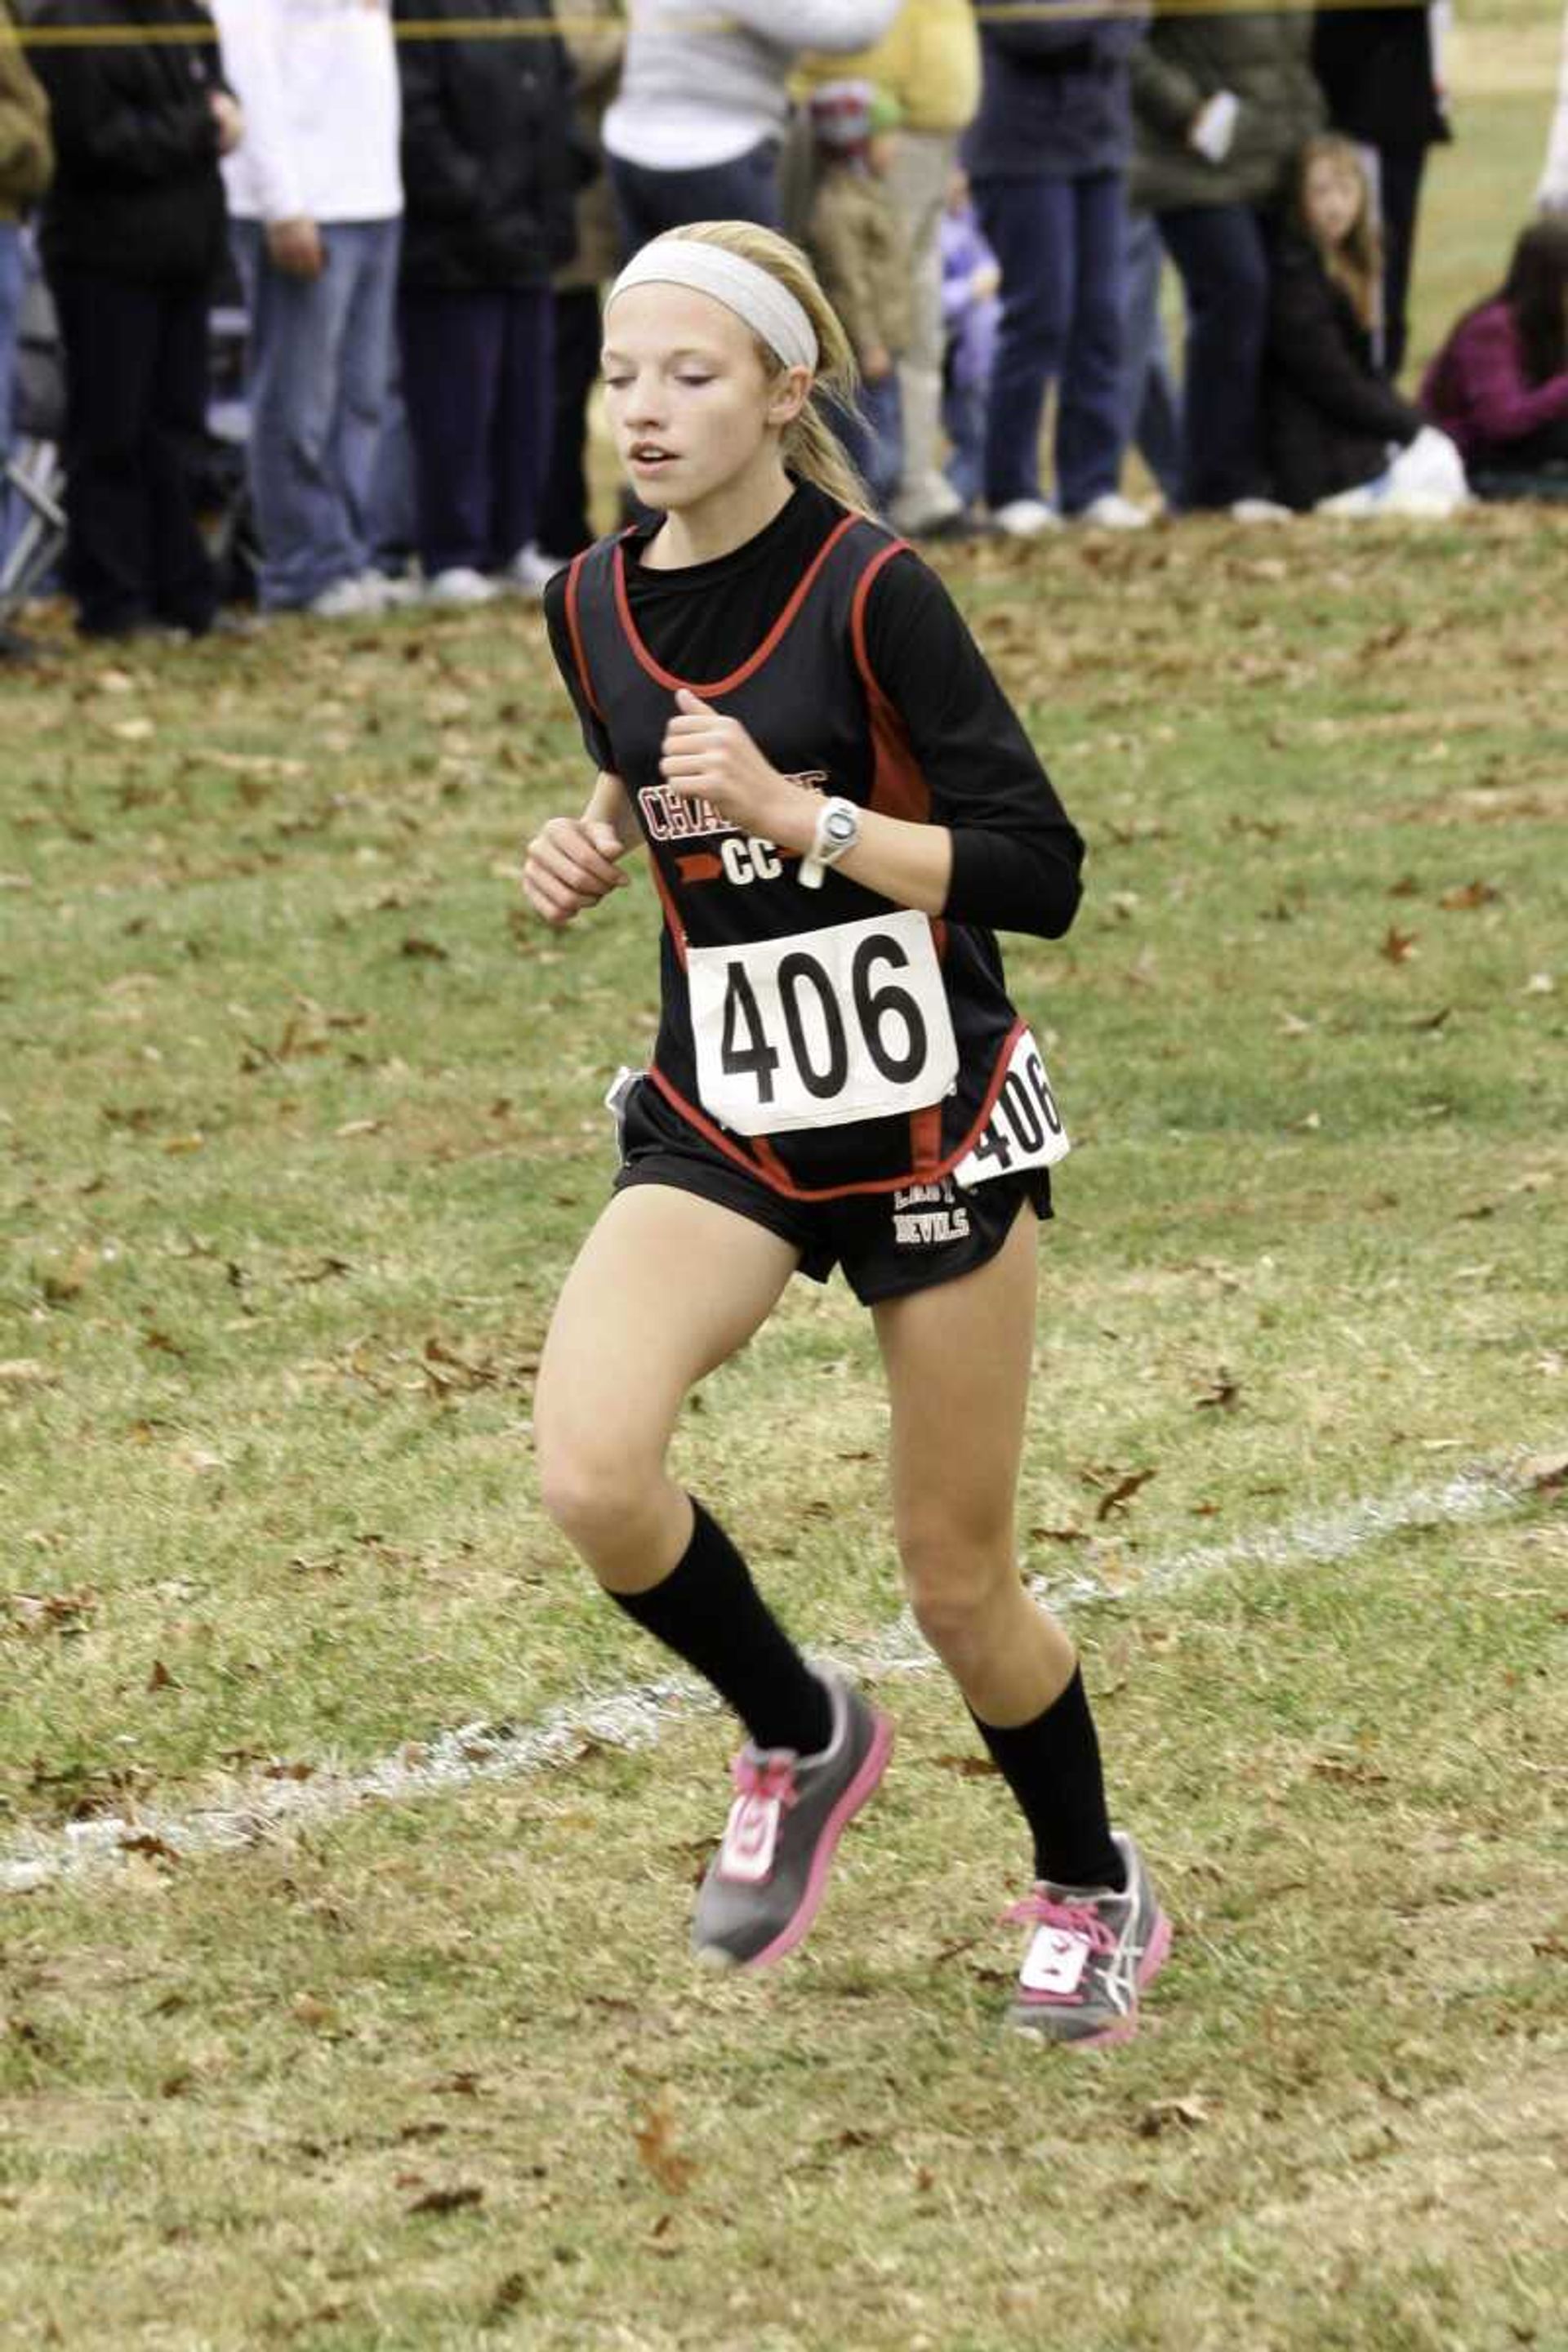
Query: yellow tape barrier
[(488, 28)]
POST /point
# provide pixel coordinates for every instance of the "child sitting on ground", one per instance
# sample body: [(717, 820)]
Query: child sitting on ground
[(971, 314), (862, 252), (1499, 385), (1332, 425)]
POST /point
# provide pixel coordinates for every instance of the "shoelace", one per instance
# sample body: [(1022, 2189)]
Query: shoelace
[(1039, 1909), (768, 1778)]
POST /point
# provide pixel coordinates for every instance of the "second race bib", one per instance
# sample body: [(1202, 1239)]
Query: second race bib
[(848, 1023)]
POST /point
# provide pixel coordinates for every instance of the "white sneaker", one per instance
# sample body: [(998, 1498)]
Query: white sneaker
[(924, 517), (392, 595), (531, 567), (459, 584), (1259, 510), (1026, 518), (346, 600), (1112, 511)]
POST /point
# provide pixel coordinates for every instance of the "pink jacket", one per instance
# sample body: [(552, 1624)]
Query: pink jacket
[(1475, 390)]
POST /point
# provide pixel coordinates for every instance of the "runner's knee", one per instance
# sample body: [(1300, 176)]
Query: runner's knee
[(958, 1586), (596, 1487)]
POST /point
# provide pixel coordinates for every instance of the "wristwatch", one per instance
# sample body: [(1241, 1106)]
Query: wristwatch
[(837, 831)]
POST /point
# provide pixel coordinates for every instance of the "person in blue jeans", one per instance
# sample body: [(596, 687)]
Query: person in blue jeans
[(316, 199), (1047, 157), (27, 165)]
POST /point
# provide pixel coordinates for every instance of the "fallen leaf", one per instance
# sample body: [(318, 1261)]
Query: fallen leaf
[(1354, 1770), (353, 1127), (652, 2134), (26, 1371), (308, 2009), (968, 1767), (1398, 947), (430, 950), (1468, 894), (61, 1289), (447, 2200), (148, 1842), (1187, 2113), (1122, 1494), (160, 1678), (1407, 886), (1058, 1535), (1546, 1473), (1224, 1396)]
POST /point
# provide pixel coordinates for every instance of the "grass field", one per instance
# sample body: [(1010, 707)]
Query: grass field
[(298, 1129)]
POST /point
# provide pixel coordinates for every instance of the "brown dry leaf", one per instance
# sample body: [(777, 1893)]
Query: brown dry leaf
[(655, 2147), (1224, 1396), (1547, 1472), (177, 1145), (1354, 1771), (1058, 1535), (308, 2009), (1407, 886), (51, 1612), (1122, 1494), (448, 2201), (61, 1289), (1469, 894), (161, 1679), (968, 1767), (1187, 2113), (431, 951), (1398, 945), (148, 1842)]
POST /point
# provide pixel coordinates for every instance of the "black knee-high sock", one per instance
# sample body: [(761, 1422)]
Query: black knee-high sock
[(710, 1612), (1052, 1765)]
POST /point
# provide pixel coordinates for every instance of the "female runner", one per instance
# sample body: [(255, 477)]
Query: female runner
[(837, 804)]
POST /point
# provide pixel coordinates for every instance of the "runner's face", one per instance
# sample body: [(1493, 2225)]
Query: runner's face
[(688, 403)]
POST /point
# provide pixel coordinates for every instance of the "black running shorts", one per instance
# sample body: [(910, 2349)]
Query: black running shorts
[(887, 1243)]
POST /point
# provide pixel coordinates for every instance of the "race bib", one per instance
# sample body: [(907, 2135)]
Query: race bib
[(829, 1026), (1025, 1129)]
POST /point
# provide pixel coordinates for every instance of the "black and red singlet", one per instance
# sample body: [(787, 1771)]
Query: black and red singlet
[(828, 1040)]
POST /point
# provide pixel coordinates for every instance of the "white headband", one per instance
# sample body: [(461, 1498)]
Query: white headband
[(769, 309)]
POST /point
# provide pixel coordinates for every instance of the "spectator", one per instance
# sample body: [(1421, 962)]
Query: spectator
[(491, 173), (1222, 102), (595, 44), (1377, 72), (972, 314), (1330, 420), (695, 132), (26, 163), (317, 203), (1047, 156), (1150, 402), (1552, 193), (1499, 385), (929, 63), (132, 237), (857, 241)]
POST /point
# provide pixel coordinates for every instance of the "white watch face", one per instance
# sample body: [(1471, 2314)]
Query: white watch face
[(841, 826)]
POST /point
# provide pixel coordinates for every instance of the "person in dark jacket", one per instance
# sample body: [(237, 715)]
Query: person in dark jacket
[(1047, 156), (132, 237), (1376, 68), (489, 174), (1222, 104), (1330, 420)]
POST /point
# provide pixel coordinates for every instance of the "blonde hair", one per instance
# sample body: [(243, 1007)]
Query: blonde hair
[(810, 448), (1356, 262)]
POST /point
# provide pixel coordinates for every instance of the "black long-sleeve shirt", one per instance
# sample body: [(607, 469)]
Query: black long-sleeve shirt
[(1016, 852)]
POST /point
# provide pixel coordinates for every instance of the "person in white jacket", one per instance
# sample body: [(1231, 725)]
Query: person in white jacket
[(316, 200), (696, 130), (1552, 193)]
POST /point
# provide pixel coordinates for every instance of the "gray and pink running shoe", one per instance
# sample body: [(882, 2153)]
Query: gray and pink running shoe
[(1092, 1952), (769, 1876)]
